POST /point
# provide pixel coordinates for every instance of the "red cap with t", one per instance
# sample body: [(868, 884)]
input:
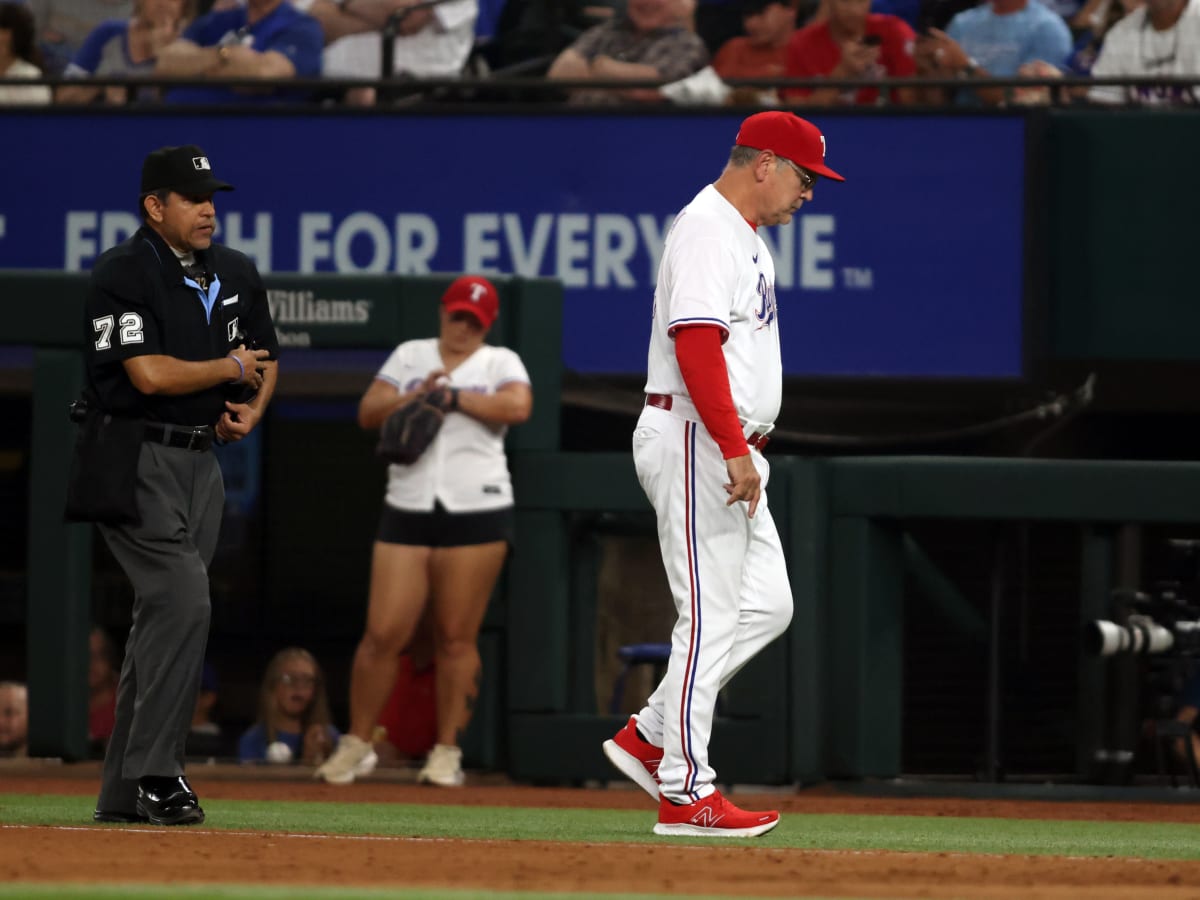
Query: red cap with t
[(789, 136), (473, 294)]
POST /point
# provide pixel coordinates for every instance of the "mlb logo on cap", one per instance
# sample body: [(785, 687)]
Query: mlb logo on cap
[(183, 169)]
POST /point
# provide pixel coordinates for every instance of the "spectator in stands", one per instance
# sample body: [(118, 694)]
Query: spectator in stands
[(432, 42), (1037, 95), (1161, 38), (63, 25), (762, 51), (1188, 712), (205, 737), (104, 668), (407, 727), (649, 41), (19, 57), (267, 39), (293, 713), (994, 39), (1095, 20), (14, 719), (853, 43), (124, 47)]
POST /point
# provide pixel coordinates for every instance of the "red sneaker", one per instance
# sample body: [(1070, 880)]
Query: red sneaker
[(634, 758), (714, 816)]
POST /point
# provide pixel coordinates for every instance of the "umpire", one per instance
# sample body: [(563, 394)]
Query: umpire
[(168, 322)]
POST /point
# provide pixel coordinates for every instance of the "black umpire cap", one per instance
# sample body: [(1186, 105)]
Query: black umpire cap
[(185, 170)]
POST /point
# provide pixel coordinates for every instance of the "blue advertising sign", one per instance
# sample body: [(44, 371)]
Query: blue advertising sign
[(912, 268)]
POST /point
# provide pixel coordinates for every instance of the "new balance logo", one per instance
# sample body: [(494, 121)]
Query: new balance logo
[(707, 817)]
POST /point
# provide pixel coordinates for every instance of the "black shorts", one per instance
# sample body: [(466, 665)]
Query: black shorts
[(442, 528)]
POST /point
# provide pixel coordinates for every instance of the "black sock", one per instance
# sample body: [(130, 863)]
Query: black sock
[(640, 735)]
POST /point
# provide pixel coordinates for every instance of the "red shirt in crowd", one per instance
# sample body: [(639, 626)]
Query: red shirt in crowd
[(738, 58), (102, 718), (410, 715), (813, 52)]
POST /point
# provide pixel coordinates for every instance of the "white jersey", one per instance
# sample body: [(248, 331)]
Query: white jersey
[(716, 270), (465, 467), (1132, 47)]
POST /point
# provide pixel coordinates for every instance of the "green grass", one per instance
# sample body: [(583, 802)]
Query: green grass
[(1147, 840)]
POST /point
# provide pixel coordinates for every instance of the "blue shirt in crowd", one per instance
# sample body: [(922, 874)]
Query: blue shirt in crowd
[(252, 746), (1002, 44), (285, 30)]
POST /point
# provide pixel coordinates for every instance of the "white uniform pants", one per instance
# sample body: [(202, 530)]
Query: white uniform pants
[(728, 580)]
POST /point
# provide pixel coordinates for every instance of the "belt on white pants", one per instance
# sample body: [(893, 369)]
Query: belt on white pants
[(754, 432)]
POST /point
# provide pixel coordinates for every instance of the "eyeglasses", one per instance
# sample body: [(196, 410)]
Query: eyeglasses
[(297, 679), (807, 180)]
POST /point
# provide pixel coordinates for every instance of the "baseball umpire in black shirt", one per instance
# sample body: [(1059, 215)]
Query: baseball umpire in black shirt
[(180, 352)]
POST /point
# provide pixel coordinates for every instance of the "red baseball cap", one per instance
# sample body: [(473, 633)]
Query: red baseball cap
[(786, 134), (473, 294)]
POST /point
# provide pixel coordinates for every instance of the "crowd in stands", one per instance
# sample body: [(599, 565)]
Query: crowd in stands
[(700, 51), (293, 721)]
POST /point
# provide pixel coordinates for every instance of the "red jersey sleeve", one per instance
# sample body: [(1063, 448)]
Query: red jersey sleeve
[(702, 364)]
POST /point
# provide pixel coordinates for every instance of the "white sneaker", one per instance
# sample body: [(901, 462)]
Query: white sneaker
[(352, 758), (443, 767)]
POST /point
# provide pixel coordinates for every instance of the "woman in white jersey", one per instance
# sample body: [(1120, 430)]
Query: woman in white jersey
[(445, 529)]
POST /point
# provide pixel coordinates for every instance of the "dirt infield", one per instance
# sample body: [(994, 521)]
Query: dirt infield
[(89, 854)]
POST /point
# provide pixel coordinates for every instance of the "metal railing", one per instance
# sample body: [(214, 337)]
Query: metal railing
[(500, 87)]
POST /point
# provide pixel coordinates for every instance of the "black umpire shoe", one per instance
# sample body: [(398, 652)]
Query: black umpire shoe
[(168, 801), (118, 818)]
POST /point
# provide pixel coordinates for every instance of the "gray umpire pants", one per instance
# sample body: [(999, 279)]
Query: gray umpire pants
[(181, 496)]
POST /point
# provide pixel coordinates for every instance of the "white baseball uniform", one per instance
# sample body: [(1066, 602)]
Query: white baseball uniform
[(465, 468), (727, 572)]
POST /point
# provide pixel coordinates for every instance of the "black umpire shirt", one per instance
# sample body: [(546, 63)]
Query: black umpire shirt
[(140, 303)]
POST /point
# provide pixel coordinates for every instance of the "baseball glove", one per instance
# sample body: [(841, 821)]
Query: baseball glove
[(408, 431)]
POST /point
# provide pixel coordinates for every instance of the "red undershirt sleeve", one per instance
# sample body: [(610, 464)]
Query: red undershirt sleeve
[(698, 351)]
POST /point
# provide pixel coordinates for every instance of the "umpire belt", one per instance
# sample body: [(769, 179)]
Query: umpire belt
[(185, 437), (755, 433)]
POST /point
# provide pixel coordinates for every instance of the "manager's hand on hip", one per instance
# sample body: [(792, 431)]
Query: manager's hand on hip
[(744, 482)]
